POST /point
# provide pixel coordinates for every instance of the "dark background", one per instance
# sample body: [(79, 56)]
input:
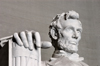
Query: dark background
[(20, 15)]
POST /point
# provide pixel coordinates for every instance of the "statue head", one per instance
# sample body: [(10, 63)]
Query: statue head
[(65, 31)]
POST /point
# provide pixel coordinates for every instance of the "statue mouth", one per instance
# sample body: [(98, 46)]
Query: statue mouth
[(73, 42)]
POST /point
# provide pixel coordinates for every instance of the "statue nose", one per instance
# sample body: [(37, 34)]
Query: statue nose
[(75, 36)]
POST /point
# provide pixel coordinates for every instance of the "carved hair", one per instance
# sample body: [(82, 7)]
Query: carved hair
[(68, 15)]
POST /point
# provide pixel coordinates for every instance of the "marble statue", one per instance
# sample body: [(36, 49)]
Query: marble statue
[(65, 33)]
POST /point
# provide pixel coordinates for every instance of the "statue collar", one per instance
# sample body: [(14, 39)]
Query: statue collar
[(73, 57)]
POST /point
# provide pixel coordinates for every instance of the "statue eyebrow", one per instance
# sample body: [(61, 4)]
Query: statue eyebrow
[(69, 27), (79, 29)]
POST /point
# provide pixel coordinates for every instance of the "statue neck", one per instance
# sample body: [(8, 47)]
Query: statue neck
[(58, 53), (71, 56)]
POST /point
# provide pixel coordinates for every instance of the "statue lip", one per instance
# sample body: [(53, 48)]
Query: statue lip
[(73, 42)]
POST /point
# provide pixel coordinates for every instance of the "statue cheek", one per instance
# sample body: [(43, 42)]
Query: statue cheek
[(79, 37), (67, 35)]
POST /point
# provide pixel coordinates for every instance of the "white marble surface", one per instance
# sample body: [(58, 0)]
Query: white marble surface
[(14, 13)]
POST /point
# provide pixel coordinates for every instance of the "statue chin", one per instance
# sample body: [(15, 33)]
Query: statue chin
[(69, 48), (66, 46)]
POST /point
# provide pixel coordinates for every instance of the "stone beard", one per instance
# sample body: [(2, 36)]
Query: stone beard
[(64, 45)]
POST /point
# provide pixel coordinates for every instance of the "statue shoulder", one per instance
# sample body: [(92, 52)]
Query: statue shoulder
[(84, 64), (64, 61)]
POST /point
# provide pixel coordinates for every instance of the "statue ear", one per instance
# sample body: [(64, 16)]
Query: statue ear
[(53, 33)]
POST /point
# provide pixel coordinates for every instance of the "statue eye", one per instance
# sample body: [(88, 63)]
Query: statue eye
[(69, 29), (79, 30)]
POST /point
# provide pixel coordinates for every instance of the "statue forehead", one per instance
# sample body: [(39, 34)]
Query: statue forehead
[(71, 22), (67, 18)]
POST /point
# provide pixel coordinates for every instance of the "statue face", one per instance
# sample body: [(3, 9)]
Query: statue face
[(70, 35)]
